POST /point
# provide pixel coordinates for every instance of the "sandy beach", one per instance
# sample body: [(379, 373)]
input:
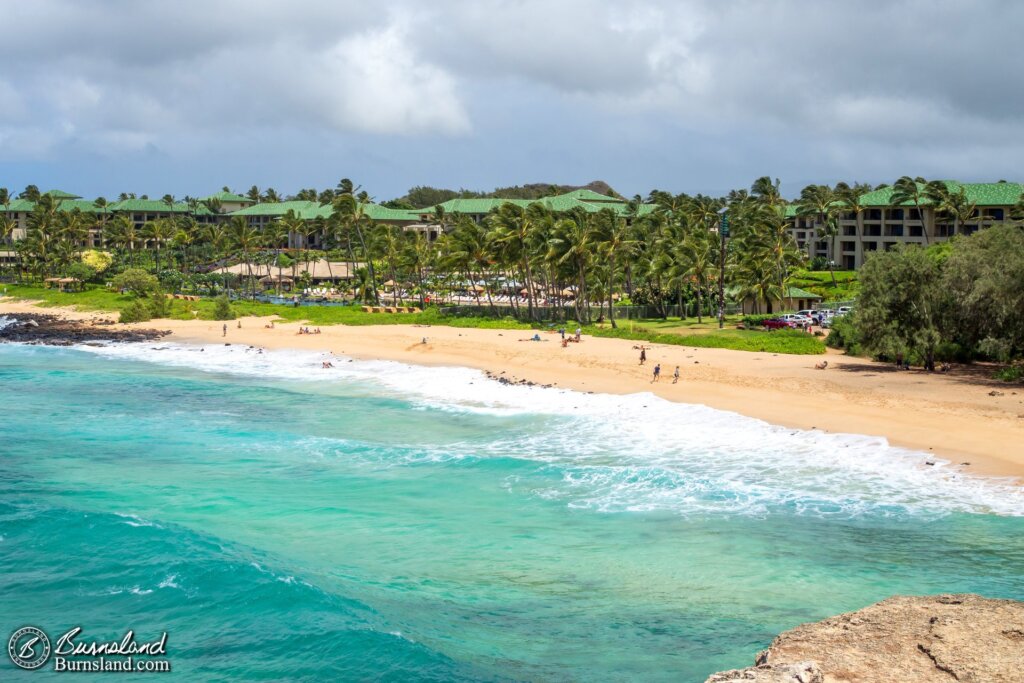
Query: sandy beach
[(962, 416)]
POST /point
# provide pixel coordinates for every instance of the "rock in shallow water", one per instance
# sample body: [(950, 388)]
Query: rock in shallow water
[(52, 330), (939, 638), (804, 672)]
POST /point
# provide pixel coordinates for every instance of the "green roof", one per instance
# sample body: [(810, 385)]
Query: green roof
[(20, 205), (304, 209), (147, 206), (590, 196), (224, 196), (982, 194), (376, 212), (477, 204), (83, 205), (61, 194), (797, 293)]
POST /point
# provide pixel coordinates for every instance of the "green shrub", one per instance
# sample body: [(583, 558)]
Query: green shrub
[(1011, 373), (222, 308), (81, 271), (135, 312), (843, 335), (137, 281), (160, 305), (757, 320)]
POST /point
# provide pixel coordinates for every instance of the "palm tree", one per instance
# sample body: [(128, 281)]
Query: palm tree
[(348, 211), (953, 203), (246, 239), (698, 260), (185, 236), (850, 196), (159, 231), (254, 194), (513, 230), (820, 202), (270, 195), (614, 240), (573, 243), (909, 190), (122, 234)]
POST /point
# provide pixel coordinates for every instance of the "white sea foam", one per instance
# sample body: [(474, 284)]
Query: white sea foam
[(169, 582), (639, 452), (6, 322), (136, 521)]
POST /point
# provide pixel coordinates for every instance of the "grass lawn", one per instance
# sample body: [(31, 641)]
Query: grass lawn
[(656, 331), (820, 282)]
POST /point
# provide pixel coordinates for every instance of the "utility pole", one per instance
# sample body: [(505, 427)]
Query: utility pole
[(723, 232)]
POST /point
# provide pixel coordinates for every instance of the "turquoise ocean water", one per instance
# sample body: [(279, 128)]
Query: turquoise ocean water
[(383, 522)]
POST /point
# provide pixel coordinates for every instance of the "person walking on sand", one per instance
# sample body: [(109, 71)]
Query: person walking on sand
[(643, 355), (225, 330), (579, 331), (657, 373), (675, 375), (239, 324)]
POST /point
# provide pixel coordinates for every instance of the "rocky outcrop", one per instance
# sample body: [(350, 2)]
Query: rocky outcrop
[(53, 330), (932, 639)]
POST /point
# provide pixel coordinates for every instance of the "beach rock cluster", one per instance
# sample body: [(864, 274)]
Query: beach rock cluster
[(52, 330), (500, 378), (928, 639)]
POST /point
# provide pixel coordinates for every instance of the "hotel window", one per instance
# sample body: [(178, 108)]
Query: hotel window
[(916, 231)]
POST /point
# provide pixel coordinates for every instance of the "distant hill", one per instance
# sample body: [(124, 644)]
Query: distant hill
[(426, 197)]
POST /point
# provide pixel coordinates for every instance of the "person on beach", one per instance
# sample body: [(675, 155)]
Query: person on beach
[(561, 331), (579, 331), (225, 330), (675, 375), (643, 355), (239, 324), (657, 373)]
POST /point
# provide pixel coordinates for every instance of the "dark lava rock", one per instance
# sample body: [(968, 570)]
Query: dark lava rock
[(52, 330)]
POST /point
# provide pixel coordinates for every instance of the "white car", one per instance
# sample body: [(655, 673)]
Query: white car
[(797, 318), (843, 310)]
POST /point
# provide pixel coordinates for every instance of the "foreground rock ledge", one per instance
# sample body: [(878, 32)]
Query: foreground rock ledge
[(941, 638)]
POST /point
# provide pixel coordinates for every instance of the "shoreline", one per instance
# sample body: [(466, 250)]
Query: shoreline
[(975, 423)]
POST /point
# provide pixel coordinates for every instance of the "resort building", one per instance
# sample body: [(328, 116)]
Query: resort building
[(882, 224), (227, 202), (796, 299)]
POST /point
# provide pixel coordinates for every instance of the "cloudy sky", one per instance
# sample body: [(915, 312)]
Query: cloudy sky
[(102, 97)]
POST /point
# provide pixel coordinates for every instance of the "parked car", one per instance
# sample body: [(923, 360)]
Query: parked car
[(798, 318), (779, 324), (810, 313), (843, 310)]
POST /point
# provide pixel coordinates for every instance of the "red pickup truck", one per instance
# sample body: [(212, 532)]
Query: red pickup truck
[(779, 324)]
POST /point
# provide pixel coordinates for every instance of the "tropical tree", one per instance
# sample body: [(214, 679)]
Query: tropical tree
[(913, 191), (246, 239), (821, 203)]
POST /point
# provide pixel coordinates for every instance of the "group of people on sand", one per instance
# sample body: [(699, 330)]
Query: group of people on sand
[(657, 374), (306, 330), (657, 367)]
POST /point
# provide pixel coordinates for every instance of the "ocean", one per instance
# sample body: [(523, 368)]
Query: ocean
[(378, 521)]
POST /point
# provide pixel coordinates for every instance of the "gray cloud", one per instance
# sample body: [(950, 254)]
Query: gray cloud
[(792, 87)]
